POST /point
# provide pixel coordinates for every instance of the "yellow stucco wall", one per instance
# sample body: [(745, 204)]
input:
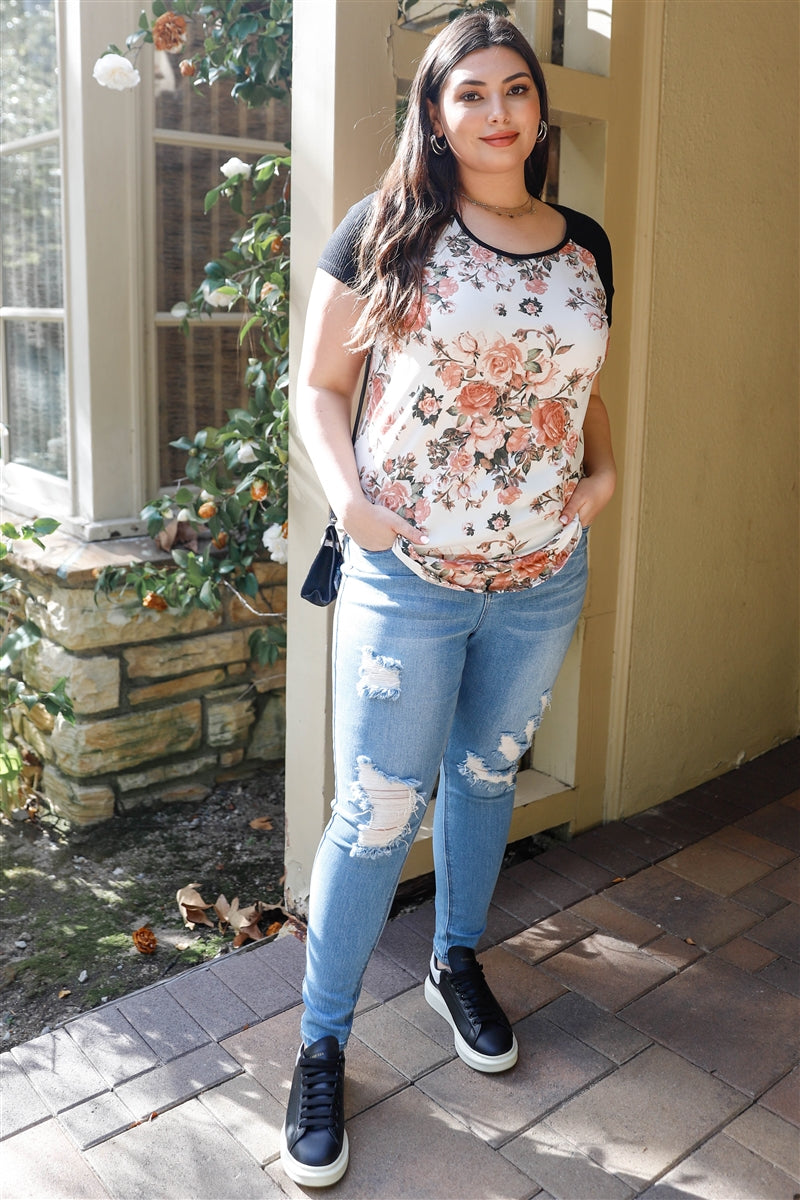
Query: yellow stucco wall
[(714, 652)]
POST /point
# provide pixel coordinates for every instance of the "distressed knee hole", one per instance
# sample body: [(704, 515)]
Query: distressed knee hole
[(389, 804), (510, 749), (378, 676)]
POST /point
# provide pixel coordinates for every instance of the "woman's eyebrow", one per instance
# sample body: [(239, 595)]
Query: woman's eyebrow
[(482, 82)]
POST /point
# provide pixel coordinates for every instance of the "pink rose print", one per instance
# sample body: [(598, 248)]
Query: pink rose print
[(508, 495), (422, 510), (461, 460), (571, 444), (486, 434), (395, 495), (429, 404), (476, 398), (481, 254), (417, 317), (519, 441), (467, 344), (547, 369), (532, 565), (537, 286), (446, 286), (461, 573), (499, 362), (595, 320), (549, 422), (451, 375), (502, 583)]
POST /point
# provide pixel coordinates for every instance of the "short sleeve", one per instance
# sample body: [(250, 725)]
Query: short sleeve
[(340, 256), (586, 232)]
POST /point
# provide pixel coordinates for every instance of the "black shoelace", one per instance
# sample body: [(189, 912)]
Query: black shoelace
[(476, 996), (319, 1094)]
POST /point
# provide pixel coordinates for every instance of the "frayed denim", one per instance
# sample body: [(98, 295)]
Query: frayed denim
[(428, 683)]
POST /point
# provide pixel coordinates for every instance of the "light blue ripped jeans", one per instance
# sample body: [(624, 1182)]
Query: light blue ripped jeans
[(428, 681)]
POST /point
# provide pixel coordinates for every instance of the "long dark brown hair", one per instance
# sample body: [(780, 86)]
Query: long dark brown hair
[(417, 195)]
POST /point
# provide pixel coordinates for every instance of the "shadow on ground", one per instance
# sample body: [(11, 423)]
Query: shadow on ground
[(70, 902)]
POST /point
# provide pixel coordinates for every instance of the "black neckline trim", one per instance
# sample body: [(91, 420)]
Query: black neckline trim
[(508, 253)]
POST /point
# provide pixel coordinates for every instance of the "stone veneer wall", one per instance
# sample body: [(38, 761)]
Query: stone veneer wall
[(165, 705)]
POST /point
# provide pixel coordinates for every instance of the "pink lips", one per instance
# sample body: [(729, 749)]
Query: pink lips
[(501, 139)]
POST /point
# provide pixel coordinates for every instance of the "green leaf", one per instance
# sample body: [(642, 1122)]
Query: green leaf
[(45, 525), (25, 635), (213, 196), (208, 595), (10, 762)]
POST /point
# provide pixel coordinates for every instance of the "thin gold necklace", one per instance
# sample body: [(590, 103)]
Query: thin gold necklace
[(521, 210)]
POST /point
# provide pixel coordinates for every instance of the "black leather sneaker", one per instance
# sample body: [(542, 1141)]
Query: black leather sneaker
[(314, 1149), (483, 1035)]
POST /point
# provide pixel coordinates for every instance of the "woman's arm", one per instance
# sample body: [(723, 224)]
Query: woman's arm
[(326, 382), (596, 487)]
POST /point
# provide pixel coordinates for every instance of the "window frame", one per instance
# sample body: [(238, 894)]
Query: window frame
[(18, 480)]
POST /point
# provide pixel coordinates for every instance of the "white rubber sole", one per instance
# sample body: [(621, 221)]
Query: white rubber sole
[(490, 1064), (314, 1176)]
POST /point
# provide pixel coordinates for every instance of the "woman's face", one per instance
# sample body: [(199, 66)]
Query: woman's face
[(489, 112)]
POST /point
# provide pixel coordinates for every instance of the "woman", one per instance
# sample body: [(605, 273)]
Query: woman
[(482, 455)]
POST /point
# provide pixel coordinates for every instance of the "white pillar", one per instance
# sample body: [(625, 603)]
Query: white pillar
[(102, 196), (343, 111)]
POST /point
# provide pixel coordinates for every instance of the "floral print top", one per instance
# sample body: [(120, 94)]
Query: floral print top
[(472, 427)]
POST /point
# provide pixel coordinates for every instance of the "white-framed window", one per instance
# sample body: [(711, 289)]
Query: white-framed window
[(194, 378), (103, 231), (33, 372)]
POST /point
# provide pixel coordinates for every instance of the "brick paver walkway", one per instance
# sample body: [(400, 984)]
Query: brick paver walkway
[(651, 968)]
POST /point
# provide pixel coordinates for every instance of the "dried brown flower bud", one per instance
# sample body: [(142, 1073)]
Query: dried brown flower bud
[(169, 32)]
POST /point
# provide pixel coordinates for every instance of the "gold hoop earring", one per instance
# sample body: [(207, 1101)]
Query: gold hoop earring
[(439, 146), (543, 130)]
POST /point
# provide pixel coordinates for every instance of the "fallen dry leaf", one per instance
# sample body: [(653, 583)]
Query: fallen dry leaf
[(192, 906), (176, 533), (274, 929), (144, 940), (62, 995), (222, 908), (690, 942), (263, 823), (245, 922)]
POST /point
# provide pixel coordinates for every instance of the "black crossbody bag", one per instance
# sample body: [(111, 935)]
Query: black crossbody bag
[(321, 584)]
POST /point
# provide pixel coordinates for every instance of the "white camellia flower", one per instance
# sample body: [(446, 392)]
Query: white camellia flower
[(276, 543), (115, 71), (235, 166), (214, 297), (247, 452)]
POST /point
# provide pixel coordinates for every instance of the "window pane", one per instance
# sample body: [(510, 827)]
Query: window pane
[(187, 237), (28, 68), (582, 35), (30, 231), (37, 395), (200, 378), (181, 105)]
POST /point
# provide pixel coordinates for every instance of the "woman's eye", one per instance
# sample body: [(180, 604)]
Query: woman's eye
[(519, 89), (470, 96)]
